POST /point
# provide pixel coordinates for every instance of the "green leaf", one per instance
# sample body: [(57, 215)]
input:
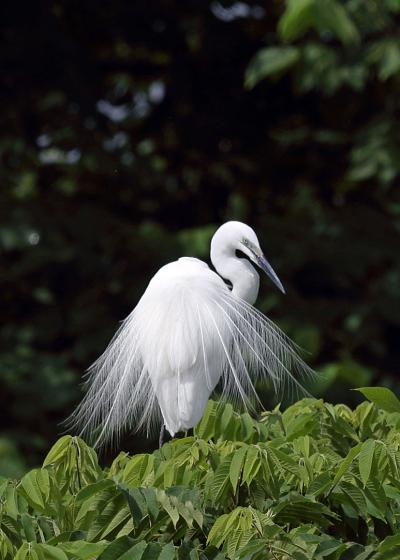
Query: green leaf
[(330, 14), (153, 507), (93, 489), (137, 504), (47, 552), (135, 553), (252, 464), (36, 488), (356, 497), (236, 465), (367, 554), (167, 552), (328, 547), (376, 499), (117, 548), (58, 451), (296, 20), (345, 464), (168, 506), (26, 552), (221, 479), (216, 534), (295, 508), (27, 525), (83, 550), (137, 468), (194, 555), (383, 398), (385, 53), (205, 429), (226, 417), (270, 62), (283, 460), (110, 515), (247, 426), (365, 459), (320, 484), (302, 15), (390, 542)]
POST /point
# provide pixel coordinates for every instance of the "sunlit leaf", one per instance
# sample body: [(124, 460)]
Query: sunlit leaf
[(382, 397)]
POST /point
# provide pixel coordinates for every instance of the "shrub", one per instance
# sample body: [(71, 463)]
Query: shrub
[(315, 481)]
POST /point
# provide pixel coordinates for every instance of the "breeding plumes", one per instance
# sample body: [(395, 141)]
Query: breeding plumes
[(189, 332)]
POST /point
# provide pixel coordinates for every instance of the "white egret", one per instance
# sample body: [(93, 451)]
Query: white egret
[(188, 332)]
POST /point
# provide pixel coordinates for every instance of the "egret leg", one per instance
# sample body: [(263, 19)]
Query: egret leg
[(162, 433)]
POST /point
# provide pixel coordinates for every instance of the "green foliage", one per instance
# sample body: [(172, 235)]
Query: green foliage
[(127, 135), (322, 66), (317, 481)]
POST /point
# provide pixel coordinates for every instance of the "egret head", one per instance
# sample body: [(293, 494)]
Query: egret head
[(237, 236)]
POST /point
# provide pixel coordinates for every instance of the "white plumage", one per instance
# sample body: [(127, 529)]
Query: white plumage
[(188, 332)]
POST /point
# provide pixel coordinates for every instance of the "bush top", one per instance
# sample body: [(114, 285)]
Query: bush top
[(315, 481)]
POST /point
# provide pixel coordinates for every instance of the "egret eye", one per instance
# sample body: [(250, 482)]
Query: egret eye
[(246, 243)]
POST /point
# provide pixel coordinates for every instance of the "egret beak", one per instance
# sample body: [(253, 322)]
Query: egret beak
[(261, 261), (267, 268)]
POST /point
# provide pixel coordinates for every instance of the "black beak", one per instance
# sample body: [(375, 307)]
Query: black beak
[(267, 268), (262, 262)]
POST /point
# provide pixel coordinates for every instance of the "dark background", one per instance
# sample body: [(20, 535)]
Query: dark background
[(131, 130)]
